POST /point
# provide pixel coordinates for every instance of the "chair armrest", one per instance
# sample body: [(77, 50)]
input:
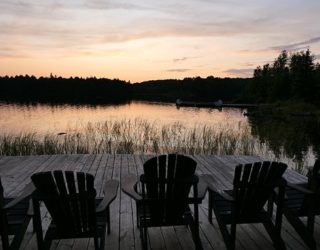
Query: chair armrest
[(27, 192), (225, 195), (211, 182), (110, 193), (299, 188), (129, 182), (202, 187)]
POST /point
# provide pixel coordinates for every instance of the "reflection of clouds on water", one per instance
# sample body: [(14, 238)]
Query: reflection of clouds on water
[(15, 118)]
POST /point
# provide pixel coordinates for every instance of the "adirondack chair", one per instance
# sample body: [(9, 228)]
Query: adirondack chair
[(303, 200), (162, 194), (253, 185), (15, 215), (71, 200)]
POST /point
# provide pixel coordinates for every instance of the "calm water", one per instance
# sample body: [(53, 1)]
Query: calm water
[(292, 140), (16, 118)]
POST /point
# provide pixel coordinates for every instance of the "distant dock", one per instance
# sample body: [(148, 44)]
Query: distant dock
[(218, 104), (240, 105)]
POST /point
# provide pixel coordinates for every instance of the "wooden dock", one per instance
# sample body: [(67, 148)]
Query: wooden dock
[(15, 173)]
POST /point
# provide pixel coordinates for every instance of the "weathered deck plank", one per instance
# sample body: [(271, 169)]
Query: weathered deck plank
[(16, 171)]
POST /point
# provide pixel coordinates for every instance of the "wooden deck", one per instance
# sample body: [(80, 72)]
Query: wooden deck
[(15, 173)]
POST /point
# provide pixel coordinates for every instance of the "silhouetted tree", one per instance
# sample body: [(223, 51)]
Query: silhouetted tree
[(302, 70), (288, 78)]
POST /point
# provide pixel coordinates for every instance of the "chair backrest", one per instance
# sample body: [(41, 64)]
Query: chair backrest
[(166, 185), (70, 200), (253, 185)]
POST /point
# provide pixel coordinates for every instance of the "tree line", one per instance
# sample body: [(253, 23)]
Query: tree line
[(55, 89), (93, 90), (294, 76)]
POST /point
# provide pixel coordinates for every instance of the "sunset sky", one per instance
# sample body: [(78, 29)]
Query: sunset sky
[(140, 40)]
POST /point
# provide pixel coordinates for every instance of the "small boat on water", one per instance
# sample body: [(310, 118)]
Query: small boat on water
[(181, 103)]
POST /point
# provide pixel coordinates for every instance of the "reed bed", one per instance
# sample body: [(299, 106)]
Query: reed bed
[(136, 137), (144, 137)]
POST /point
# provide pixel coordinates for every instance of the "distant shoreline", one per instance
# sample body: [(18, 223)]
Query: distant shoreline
[(29, 89)]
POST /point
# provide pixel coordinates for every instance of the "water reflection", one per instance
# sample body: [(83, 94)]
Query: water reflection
[(297, 138), (40, 118)]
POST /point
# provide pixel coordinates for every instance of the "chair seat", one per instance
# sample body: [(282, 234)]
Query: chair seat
[(153, 222), (16, 215), (295, 199), (224, 208)]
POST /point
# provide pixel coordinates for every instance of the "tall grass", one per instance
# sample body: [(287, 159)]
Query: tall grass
[(144, 137), (136, 136)]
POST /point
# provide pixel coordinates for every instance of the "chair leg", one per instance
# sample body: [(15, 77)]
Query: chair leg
[(15, 244), (230, 243), (137, 215), (108, 219), (210, 207), (103, 239), (96, 243), (233, 231), (47, 244), (144, 236), (37, 224), (4, 232), (274, 235), (270, 205), (194, 228), (300, 228), (310, 223), (311, 214)]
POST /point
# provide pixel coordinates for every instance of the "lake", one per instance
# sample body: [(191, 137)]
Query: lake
[(41, 118), (143, 127)]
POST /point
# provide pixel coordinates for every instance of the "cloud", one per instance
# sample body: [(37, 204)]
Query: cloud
[(178, 70), (185, 58), (103, 20), (247, 72), (296, 46), (98, 4), (180, 59)]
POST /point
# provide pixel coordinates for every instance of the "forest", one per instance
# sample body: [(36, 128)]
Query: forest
[(92, 90), (291, 77)]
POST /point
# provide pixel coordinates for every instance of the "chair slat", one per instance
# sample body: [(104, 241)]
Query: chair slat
[(71, 182), (58, 176)]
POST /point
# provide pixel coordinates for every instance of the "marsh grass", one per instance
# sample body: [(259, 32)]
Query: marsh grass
[(140, 136), (136, 136)]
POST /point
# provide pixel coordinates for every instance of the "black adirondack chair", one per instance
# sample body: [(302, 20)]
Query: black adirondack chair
[(303, 200), (15, 215), (253, 186), (163, 194), (71, 200)]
